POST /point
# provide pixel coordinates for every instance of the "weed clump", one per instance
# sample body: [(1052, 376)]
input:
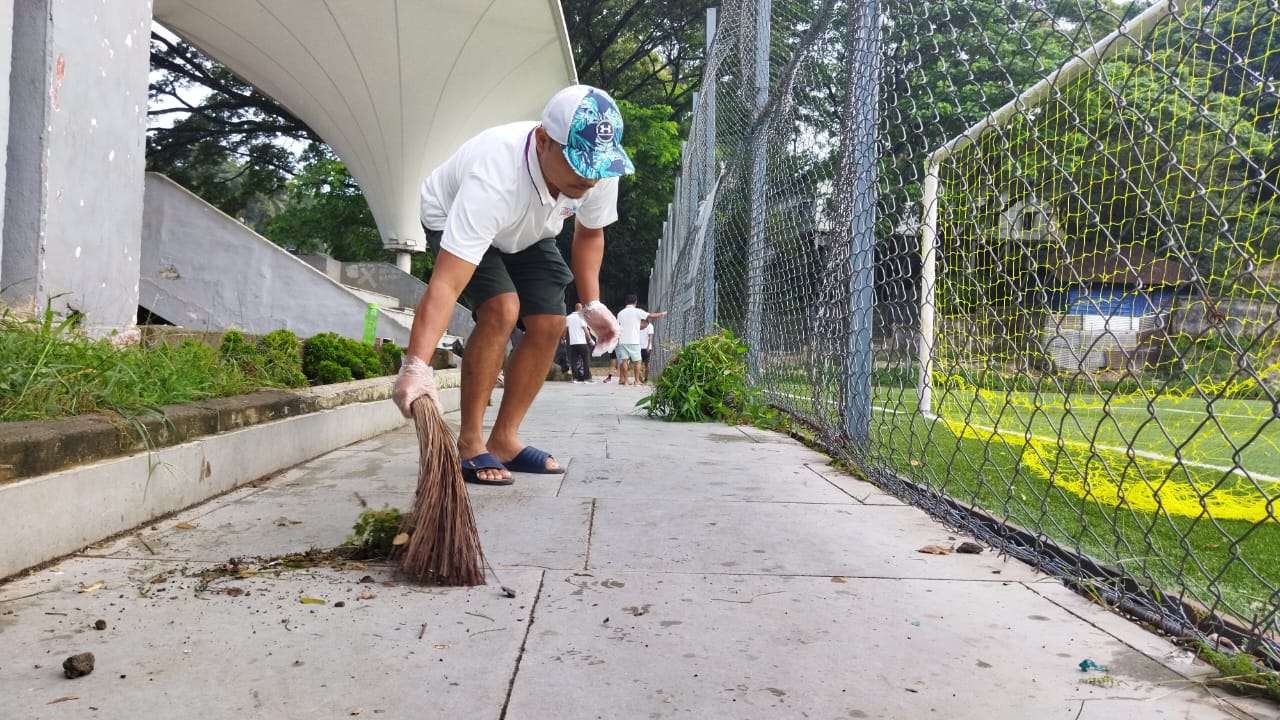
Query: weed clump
[(707, 381)]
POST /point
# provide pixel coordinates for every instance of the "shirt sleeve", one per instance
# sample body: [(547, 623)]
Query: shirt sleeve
[(479, 211), (600, 209)]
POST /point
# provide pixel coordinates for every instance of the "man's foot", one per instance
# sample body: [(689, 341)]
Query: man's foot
[(471, 450), (473, 467), (508, 452)]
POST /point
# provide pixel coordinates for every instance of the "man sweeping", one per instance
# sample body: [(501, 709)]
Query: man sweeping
[(492, 212)]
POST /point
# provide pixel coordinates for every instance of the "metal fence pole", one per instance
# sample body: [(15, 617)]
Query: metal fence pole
[(756, 238), (928, 282), (864, 86), (709, 177)]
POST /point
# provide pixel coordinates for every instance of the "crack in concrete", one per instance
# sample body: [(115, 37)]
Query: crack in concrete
[(591, 528), (832, 484), (524, 642)]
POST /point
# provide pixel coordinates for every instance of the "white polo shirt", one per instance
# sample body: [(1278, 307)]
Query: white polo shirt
[(646, 337), (491, 193), (577, 329), (629, 320)]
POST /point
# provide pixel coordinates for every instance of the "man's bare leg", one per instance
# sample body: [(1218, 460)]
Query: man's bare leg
[(485, 351), (525, 375), (624, 365)]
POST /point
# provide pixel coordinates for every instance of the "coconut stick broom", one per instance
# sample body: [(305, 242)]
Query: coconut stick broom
[(443, 544)]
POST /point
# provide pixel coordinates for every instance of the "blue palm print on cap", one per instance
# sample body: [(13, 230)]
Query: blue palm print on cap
[(594, 147)]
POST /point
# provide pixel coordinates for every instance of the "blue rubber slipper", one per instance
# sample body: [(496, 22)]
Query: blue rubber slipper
[(483, 461), (532, 460)]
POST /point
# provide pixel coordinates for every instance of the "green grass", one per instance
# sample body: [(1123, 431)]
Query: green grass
[(1144, 514), (1206, 556), (1247, 430), (47, 371)]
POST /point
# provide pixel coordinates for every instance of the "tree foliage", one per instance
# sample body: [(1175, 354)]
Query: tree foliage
[(216, 135), (652, 139), (648, 52), (325, 211), (1166, 146)]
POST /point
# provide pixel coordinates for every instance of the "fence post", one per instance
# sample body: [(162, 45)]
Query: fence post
[(928, 283), (863, 79), (709, 178), (756, 238)]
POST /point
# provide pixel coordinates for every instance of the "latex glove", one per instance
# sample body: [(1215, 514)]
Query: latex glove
[(603, 324), (415, 380)]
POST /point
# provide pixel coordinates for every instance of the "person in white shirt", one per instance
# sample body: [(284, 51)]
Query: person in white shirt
[(628, 349), (646, 347), (579, 345), (492, 212)]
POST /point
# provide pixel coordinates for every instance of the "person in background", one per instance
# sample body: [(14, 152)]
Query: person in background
[(562, 352), (579, 345), (646, 347), (628, 350), (613, 366)]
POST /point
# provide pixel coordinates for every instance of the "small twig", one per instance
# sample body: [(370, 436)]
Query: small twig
[(753, 598), (145, 545), (24, 597), (423, 631), (479, 615), (481, 632), (56, 613), (360, 500)]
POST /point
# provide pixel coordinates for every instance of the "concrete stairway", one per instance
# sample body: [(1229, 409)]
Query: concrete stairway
[(203, 270)]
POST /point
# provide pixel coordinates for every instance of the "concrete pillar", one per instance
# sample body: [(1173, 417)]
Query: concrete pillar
[(6, 57), (74, 176), (404, 260)]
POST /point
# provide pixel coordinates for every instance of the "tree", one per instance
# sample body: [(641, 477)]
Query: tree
[(325, 211), (645, 51), (229, 146)]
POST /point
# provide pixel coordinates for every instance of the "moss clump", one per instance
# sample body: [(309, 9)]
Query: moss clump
[(273, 361), (358, 359), (391, 356), (375, 532), (1242, 673)]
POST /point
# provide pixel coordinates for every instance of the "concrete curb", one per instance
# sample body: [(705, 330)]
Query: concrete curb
[(31, 449), (58, 513)]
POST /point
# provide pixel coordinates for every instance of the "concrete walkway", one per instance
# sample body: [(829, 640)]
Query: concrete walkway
[(693, 571)]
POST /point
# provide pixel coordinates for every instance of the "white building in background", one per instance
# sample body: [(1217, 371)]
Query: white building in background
[(392, 85)]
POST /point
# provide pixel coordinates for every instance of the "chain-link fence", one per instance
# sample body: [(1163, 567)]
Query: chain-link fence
[(1020, 261)]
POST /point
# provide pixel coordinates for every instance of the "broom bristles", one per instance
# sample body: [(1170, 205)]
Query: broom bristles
[(444, 544)]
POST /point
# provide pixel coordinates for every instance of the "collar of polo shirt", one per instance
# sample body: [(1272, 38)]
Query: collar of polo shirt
[(535, 169)]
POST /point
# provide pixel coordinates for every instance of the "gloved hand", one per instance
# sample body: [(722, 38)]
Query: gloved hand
[(603, 324), (416, 379)]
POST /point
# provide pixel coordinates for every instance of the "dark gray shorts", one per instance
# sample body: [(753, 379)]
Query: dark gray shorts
[(537, 275)]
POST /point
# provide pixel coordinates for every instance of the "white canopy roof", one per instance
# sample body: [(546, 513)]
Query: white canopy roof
[(394, 86)]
